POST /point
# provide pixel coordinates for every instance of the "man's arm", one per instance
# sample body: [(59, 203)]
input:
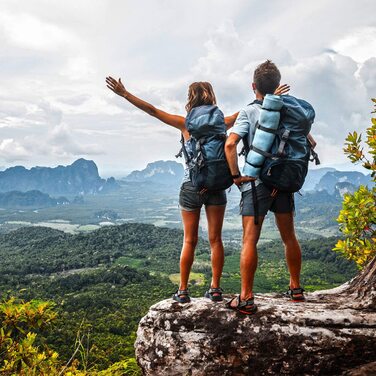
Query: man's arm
[(232, 159), (231, 153)]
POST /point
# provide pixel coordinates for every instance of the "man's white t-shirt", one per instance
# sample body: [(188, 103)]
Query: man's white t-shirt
[(245, 125)]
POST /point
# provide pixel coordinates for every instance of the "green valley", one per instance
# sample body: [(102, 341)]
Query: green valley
[(104, 281)]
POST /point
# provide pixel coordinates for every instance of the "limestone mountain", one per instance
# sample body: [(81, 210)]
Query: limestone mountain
[(81, 177), (329, 181), (165, 172), (313, 177)]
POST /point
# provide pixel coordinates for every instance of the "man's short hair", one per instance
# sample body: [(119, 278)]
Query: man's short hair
[(267, 77)]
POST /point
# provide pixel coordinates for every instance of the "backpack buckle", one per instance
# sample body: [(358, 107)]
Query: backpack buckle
[(315, 157), (284, 138), (285, 135), (242, 152)]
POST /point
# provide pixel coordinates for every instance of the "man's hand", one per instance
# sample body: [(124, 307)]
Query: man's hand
[(243, 179), (282, 89), (116, 86)]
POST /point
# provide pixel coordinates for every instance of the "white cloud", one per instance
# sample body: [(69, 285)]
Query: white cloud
[(78, 68), (11, 150), (367, 74), (55, 56), (62, 141), (360, 44), (26, 31)]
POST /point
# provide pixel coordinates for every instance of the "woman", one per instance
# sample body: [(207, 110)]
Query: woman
[(191, 199)]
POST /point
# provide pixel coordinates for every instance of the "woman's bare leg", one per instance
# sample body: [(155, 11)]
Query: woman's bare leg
[(215, 215), (190, 223)]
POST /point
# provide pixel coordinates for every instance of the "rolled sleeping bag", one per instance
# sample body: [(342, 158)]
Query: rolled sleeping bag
[(269, 118)]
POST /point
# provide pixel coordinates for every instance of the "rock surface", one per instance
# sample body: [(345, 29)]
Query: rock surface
[(333, 332)]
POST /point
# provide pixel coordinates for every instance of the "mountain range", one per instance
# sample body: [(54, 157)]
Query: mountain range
[(33, 188), (79, 178), (329, 179)]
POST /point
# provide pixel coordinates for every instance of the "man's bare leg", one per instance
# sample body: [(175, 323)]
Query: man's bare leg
[(285, 224), (248, 258)]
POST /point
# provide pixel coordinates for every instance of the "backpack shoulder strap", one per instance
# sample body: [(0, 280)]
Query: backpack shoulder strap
[(246, 147), (183, 150), (314, 157), (256, 101)]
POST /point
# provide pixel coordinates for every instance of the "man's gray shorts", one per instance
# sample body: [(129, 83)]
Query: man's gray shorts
[(282, 202)]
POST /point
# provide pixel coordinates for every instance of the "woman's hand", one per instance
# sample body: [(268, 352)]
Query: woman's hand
[(116, 86), (282, 89)]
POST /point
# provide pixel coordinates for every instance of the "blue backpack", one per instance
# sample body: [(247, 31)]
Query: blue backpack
[(207, 163), (285, 169), (286, 164)]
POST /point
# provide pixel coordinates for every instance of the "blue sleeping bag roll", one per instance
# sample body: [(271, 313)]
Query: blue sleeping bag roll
[(263, 140)]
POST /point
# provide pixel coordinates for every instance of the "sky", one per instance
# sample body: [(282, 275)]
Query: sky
[(55, 55)]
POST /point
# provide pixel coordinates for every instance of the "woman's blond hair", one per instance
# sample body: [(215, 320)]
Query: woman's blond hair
[(199, 94)]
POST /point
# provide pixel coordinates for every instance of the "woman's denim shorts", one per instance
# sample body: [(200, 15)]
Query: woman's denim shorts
[(191, 199)]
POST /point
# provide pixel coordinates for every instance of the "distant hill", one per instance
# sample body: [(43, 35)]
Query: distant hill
[(81, 177), (314, 176), (165, 172), (344, 187), (329, 181), (30, 199)]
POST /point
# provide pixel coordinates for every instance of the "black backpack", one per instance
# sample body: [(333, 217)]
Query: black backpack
[(207, 163)]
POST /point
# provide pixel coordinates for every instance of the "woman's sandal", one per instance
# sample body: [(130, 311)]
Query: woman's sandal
[(247, 307), (214, 294), (181, 296), (296, 295)]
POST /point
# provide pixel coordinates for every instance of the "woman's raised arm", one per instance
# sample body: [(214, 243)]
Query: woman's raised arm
[(118, 88)]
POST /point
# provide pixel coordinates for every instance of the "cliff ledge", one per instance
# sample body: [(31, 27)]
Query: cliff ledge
[(333, 333)]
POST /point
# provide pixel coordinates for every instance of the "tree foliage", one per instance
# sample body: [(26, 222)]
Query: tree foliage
[(357, 219), (20, 353)]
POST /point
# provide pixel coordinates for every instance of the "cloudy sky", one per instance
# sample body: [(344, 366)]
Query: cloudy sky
[(54, 56)]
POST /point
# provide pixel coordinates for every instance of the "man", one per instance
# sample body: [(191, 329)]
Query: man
[(265, 80)]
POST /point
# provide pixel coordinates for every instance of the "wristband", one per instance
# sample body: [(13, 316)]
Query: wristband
[(236, 176)]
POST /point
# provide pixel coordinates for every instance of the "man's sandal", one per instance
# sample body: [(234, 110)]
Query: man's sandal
[(181, 296), (214, 294), (296, 295), (247, 307)]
